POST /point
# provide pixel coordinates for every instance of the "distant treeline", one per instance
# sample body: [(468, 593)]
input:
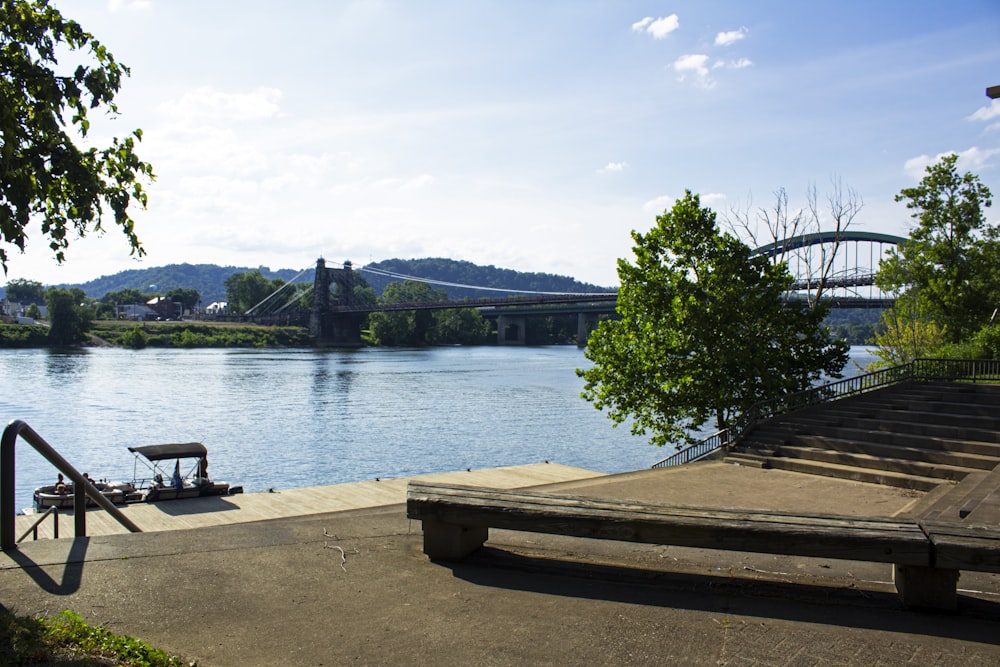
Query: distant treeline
[(210, 279)]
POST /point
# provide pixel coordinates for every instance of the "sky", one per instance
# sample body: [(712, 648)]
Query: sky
[(527, 135)]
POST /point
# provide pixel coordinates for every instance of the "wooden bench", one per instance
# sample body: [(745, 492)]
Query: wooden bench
[(456, 521)]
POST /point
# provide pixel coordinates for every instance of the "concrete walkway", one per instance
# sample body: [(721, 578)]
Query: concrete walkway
[(285, 503), (354, 587)]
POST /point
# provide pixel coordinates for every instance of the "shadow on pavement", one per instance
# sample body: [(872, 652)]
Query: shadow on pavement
[(72, 573), (842, 605)]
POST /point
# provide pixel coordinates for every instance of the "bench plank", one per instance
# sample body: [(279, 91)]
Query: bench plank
[(812, 535), (964, 546)]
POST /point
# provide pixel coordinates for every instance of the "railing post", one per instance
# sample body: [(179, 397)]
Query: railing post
[(7, 486), (81, 487)]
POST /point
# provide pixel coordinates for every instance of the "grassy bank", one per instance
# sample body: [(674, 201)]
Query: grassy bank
[(197, 334), (67, 640), (138, 335)]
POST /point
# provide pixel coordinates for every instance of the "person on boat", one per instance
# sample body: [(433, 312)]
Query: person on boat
[(178, 480), (202, 477), (86, 476), (60, 486)]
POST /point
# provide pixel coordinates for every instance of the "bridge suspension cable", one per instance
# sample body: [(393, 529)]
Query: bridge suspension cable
[(430, 281), (273, 294)]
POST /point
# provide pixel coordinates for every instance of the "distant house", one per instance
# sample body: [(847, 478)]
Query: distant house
[(217, 308), (138, 312), (165, 308)]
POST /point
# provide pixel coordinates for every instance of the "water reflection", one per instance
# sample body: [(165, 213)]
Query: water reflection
[(66, 363)]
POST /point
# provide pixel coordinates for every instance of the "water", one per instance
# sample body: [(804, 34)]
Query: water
[(294, 418)]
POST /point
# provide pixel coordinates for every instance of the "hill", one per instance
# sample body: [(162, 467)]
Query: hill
[(209, 279), (460, 274)]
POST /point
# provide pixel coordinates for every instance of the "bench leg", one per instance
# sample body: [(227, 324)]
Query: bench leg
[(926, 587), (447, 541)]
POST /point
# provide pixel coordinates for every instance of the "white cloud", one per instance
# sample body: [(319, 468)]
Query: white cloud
[(742, 63), (730, 37), (989, 114), (712, 199), (972, 160), (128, 5), (206, 103), (658, 28), (696, 64), (658, 205), (613, 168)]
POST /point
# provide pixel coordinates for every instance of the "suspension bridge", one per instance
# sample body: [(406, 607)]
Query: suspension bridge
[(837, 266)]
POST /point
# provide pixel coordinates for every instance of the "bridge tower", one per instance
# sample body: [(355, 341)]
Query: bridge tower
[(330, 328)]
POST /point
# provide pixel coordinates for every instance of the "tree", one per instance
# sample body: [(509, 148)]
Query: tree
[(188, 297), (125, 297), (706, 330), (814, 262), (246, 290), (948, 262), (25, 291), (44, 175), (69, 318), (459, 326), (905, 334), (424, 327), (404, 327)]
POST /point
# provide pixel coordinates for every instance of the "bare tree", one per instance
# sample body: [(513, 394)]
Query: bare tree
[(792, 235)]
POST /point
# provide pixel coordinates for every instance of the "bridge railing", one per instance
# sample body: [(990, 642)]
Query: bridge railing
[(918, 370)]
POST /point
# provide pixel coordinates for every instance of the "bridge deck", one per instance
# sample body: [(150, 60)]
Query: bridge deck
[(243, 508)]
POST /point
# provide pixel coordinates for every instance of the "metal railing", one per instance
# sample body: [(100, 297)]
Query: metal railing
[(918, 370), (33, 528), (82, 489)]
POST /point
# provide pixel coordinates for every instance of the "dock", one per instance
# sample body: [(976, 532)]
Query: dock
[(284, 503)]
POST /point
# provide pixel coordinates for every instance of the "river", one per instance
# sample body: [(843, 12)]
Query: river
[(295, 418)]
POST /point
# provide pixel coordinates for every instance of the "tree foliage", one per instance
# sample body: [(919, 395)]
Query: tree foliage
[(246, 290), (188, 297), (905, 333), (423, 327), (948, 263), (69, 318), (25, 291), (706, 330), (44, 175)]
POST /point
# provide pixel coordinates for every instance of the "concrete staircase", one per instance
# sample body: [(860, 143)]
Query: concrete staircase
[(912, 435)]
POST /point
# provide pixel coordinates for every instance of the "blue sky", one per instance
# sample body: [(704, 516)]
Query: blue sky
[(528, 135)]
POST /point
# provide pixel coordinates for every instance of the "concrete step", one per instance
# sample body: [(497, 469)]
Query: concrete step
[(887, 478), (747, 459), (906, 445), (971, 427), (826, 424), (937, 471)]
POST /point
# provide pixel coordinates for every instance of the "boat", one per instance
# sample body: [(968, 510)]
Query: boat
[(52, 495), (158, 480), (189, 480)]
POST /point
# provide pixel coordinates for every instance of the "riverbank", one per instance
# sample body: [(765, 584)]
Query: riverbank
[(184, 334)]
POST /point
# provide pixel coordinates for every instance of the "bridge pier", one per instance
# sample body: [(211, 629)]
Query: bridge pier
[(511, 330), (585, 323), (330, 328)]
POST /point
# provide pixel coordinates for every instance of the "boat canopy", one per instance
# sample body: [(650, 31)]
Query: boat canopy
[(184, 450)]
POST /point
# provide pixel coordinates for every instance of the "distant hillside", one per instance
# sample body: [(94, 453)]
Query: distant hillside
[(467, 273), (209, 279)]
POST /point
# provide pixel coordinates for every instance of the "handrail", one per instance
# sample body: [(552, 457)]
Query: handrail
[(919, 370), (54, 511), (82, 488)]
